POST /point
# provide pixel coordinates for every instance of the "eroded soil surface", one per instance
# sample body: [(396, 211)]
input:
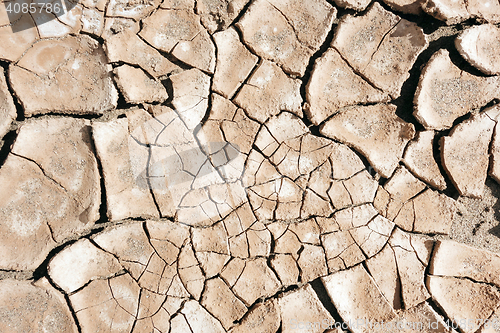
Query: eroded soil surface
[(251, 166)]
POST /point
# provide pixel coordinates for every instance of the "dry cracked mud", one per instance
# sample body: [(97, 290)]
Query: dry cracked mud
[(250, 166)]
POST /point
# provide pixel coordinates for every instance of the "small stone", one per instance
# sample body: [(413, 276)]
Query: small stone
[(301, 306), (126, 195), (28, 306), (445, 92), (269, 91), (257, 280), (127, 47), (68, 75), (478, 46), (8, 110), (381, 46), (419, 159), (462, 299), (459, 260), (220, 301), (137, 87), (234, 63), (375, 131), (287, 33), (334, 85), (464, 154), (81, 263), (353, 303)]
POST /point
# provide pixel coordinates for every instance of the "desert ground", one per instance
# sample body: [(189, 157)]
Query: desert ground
[(244, 166)]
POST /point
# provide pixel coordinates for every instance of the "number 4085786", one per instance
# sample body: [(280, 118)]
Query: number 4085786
[(33, 8)]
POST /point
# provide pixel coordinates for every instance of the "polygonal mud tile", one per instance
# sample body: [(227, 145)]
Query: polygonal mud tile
[(217, 15), (256, 281), (419, 159), (464, 154), (234, 62), (107, 305), (406, 6), (127, 47), (463, 299), (286, 268), (269, 91), (357, 5), (58, 194), (199, 319), (8, 110), (478, 46), (381, 46), (220, 301), (262, 318), (354, 304), (81, 263), (16, 39), (286, 32), (445, 92), (28, 306), (137, 87), (459, 260), (453, 12), (334, 84), (131, 9), (120, 156), (303, 306), (68, 75), (375, 131)]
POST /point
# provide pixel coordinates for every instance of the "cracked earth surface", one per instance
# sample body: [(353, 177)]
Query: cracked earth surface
[(251, 166)]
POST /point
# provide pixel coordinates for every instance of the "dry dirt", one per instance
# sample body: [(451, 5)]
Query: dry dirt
[(250, 166)]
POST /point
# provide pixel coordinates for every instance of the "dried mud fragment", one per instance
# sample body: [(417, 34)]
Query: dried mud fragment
[(68, 75), (180, 33), (381, 46), (419, 159), (359, 189), (453, 12), (120, 156), (127, 47), (465, 154), (8, 110), (137, 87), (375, 131), (14, 44), (234, 63), (81, 263), (218, 14), (357, 304), (136, 10), (198, 319), (357, 5), (303, 305), (92, 21), (333, 85), (107, 305), (478, 45), (461, 299), (463, 261), (406, 6), (28, 306), (269, 91), (445, 92), (288, 32), (262, 318)]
